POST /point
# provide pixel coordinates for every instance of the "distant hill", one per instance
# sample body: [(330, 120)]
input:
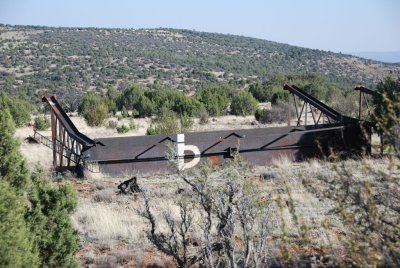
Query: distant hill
[(36, 60), (389, 57)]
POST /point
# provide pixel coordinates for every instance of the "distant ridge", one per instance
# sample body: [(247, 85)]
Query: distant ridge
[(387, 56)]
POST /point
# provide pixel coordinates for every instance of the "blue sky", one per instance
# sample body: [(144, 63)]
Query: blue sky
[(335, 25)]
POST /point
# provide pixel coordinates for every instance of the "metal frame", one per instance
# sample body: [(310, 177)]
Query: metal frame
[(331, 132), (66, 141), (327, 114), (363, 99)]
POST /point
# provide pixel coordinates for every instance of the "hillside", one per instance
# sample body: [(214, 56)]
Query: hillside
[(35, 60), (388, 56)]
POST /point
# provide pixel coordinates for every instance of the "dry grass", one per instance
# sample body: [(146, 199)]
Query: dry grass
[(284, 184), (282, 162), (105, 216), (294, 190), (35, 154), (108, 222)]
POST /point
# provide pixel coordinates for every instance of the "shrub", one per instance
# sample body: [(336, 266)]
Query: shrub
[(47, 218), (105, 195), (387, 112), (112, 98), (162, 98), (94, 109), (186, 123), (261, 114), (134, 98), (152, 130), (368, 208), (13, 167), (261, 92), (203, 119), (279, 97), (112, 124), (134, 113), (50, 223), (132, 125), (20, 110), (277, 114), (97, 116), (185, 105), (15, 239), (215, 99), (243, 103), (145, 107), (166, 123), (124, 112), (123, 129), (130, 97), (223, 208), (344, 102), (42, 123)]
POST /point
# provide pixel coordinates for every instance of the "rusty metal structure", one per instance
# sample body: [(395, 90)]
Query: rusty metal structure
[(321, 113), (363, 101), (320, 131), (66, 141)]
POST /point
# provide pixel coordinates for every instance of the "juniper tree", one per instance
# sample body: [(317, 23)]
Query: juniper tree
[(243, 103), (50, 222), (18, 109), (13, 167), (387, 112), (16, 248), (35, 229), (15, 240)]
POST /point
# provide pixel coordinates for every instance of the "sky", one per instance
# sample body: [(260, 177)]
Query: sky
[(332, 25)]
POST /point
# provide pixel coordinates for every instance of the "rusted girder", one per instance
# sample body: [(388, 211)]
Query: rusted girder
[(67, 142), (363, 99), (330, 114), (365, 90)]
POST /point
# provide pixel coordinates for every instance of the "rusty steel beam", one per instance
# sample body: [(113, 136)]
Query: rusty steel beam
[(310, 100), (363, 99), (62, 132), (365, 90), (66, 122)]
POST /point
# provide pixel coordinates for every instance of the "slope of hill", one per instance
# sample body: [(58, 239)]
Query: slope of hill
[(35, 60), (389, 57)]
